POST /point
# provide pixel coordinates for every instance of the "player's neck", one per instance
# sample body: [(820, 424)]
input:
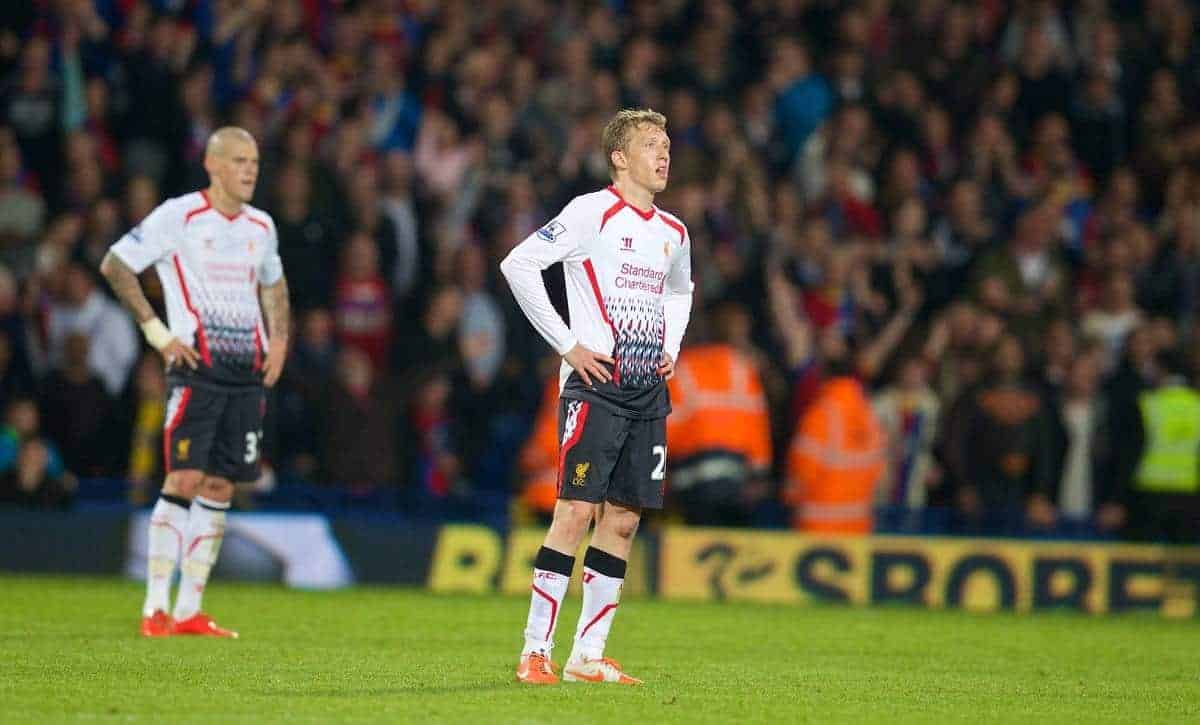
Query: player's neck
[(639, 197), (223, 202)]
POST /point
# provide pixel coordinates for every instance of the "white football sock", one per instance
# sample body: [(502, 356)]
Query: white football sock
[(545, 604), (601, 595), (168, 521), (205, 531)]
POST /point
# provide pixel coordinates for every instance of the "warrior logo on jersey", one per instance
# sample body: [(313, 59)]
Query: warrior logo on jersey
[(627, 244), (183, 448), (552, 231), (581, 472)]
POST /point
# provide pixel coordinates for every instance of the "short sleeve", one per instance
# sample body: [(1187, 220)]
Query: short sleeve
[(270, 270), (150, 241)]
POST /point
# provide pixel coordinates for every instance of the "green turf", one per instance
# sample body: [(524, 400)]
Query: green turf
[(68, 652)]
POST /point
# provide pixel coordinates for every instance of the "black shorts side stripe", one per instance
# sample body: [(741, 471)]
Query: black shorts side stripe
[(573, 423), (176, 407)]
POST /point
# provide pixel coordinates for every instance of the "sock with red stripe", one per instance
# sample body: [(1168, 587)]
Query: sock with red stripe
[(168, 521), (551, 574), (603, 575), (205, 531)]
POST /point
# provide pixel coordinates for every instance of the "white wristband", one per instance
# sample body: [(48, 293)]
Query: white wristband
[(156, 333)]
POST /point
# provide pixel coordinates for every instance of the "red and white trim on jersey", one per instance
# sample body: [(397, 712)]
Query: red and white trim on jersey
[(258, 346), (175, 409), (201, 339), (259, 222), (646, 214), (591, 273), (599, 615), (611, 212), (674, 224), (208, 206), (573, 423), (198, 210)]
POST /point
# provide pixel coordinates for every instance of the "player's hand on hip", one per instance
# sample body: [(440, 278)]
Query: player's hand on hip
[(589, 364), (666, 368), (273, 366), (176, 353)]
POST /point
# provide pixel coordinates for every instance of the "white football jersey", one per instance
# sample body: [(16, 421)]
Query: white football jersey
[(628, 278), (210, 266)]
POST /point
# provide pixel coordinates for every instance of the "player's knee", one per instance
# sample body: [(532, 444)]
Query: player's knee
[(217, 489), (623, 524), (573, 517), (183, 483)]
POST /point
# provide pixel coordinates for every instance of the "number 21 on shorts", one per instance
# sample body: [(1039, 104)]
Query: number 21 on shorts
[(660, 469), (253, 443)]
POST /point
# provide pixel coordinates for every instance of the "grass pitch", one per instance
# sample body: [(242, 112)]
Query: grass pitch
[(68, 652)]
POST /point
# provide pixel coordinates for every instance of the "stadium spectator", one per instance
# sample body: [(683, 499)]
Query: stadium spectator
[(436, 463), (307, 239), (909, 415), (32, 473), (1116, 316), (22, 210), (1162, 457), (538, 462), (359, 427), (1000, 445), (431, 340), (313, 357), (1085, 500), (718, 434), (400, 205), (837, 457), (146, 410), (112, 343), (77, 412), (362, 306)]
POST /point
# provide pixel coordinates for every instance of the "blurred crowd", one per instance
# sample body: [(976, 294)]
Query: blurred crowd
[(946, 254)]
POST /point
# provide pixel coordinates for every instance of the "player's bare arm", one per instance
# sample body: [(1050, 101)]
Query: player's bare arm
[(277, 311), (128, 289)]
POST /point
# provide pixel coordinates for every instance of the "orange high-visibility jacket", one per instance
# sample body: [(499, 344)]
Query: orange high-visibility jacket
[(718, 404), (836, 460), (539, 456)]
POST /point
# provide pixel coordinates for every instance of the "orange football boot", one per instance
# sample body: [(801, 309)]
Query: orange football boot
[(158, 624), (601, 670), (536, 669), (203, 625)]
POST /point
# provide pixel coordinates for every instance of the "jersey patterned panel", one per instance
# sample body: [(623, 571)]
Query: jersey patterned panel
[(628, 280), (210, 266)]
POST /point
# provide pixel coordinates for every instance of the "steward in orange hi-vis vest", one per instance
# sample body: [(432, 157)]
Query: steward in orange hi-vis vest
[(539, 456), (719, 405), (836, 460)]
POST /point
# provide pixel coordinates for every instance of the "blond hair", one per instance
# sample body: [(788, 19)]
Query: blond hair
[(619, 129)]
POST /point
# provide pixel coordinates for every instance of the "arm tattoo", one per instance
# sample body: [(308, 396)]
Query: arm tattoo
[(125, 285), (277, 310)]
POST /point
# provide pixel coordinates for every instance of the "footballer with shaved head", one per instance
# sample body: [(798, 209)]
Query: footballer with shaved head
[(224, 341)]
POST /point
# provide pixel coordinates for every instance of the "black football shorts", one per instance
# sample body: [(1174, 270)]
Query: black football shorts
[(607, 457), (214, 431)]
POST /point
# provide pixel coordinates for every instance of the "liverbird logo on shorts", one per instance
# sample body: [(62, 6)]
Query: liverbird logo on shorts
[(581, 472)]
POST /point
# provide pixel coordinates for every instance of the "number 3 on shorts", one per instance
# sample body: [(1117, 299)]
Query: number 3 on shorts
[(253, 440), (660, 470)]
